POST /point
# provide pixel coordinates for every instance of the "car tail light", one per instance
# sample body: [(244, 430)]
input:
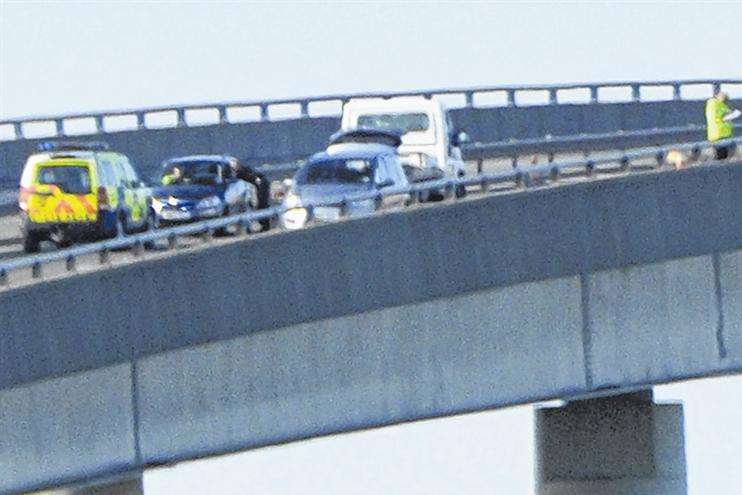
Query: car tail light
[(103, 198), (23, 195)]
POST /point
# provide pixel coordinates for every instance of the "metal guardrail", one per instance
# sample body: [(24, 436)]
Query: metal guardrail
[(512, 148), (518, 177), (302, 106)]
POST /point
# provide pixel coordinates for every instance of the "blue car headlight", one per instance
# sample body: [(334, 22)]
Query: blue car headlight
[(210, 202)]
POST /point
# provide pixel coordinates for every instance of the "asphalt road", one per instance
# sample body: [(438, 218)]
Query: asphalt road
[(11, 241)]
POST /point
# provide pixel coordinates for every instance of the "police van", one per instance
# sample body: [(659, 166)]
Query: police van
[(80, 191)]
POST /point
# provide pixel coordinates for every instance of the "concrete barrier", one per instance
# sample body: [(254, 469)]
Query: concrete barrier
[(441, 309), (286, 140)]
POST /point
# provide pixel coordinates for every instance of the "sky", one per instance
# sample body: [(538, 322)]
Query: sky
[(58, 57)]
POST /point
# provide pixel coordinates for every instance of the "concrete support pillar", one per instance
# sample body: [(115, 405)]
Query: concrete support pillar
[(621, 445), (130, 485)]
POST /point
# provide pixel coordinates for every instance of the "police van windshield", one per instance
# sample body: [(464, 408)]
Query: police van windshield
[(402, 122), (70, 179), (336, 171)]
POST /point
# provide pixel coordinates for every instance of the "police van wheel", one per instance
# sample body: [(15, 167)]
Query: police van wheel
[(31, 244)]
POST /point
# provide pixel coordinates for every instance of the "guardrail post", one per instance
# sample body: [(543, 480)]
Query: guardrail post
[(593, 94), (18, 130), (660, 158), (70, 263), (36, 270), (484, 186), (676, 92), (624, 163), (59, 127), (511, 97), (172, 241), (223, 119), (554, 174), (137, 248), (103, 256), (636, 92), (99, 127), (140, 120), (552, 96), (304, 109), (3, 277), (589, 168), (469, 96), (181, 122), (717, 87), (480, 165), (264, 117), (344, 208)]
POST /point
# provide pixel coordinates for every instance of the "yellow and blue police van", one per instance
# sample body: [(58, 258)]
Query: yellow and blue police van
[(71, 192)]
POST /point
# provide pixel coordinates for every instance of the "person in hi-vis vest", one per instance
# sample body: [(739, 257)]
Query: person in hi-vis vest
[(719, 123)]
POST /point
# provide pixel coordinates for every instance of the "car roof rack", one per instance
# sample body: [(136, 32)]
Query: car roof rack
[(52, 146), (368, 135)]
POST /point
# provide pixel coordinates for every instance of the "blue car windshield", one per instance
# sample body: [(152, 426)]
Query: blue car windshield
[(194, 172), (336, 171)]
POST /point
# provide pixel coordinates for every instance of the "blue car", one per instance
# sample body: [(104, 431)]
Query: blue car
[(200, 187), (345, 169)]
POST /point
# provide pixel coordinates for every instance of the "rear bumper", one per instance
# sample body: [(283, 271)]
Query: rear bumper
[(104, 226)]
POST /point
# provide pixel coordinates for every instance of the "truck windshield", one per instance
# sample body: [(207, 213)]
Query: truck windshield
[(403, 122), (336, 171), (70, 179)]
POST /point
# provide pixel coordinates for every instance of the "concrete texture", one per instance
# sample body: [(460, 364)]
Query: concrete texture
[(439, 309), (621, 445)]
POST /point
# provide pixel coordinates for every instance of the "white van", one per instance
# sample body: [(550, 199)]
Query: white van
[(428, 137)]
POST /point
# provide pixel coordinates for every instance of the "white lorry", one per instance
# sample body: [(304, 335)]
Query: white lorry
[(429, 140)]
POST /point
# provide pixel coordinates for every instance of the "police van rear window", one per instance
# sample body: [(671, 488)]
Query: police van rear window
[(70, 179)]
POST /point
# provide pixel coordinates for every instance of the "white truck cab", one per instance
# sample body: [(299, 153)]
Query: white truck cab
[(428, 138)]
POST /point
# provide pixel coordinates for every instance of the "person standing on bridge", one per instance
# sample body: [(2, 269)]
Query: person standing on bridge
[(719, 123), (261, 183)]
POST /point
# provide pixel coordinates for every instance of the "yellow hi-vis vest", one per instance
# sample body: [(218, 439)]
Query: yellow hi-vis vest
[(715, 112)]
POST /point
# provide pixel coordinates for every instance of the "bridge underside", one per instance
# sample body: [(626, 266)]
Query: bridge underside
[(641, 286)]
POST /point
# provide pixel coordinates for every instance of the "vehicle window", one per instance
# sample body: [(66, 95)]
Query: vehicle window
[(401, 122), (395, 170), (382, 172), (129, 171), (119, 173), (70, 179), (336, 171), (195, 171), (106, 175)]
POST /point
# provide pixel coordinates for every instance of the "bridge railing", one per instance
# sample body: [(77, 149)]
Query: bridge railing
[(518, 177), (551, 145), (264, 110)]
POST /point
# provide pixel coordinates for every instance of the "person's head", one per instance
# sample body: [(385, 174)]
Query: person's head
[(722, 96), (177, 173)]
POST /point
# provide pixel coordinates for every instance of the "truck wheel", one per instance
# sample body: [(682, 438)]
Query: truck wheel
[(31, 243)]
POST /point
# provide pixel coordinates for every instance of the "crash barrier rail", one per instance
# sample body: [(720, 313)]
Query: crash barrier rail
[(549, 146), (277, 109), (520, 176), (512, 148)]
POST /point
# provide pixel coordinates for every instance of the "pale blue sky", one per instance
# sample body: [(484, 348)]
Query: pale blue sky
[(60, 57)]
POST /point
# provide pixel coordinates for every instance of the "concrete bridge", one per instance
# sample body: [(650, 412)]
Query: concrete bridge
[(591, 292)]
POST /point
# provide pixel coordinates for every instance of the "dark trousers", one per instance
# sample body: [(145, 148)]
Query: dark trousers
[(722, 152)]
